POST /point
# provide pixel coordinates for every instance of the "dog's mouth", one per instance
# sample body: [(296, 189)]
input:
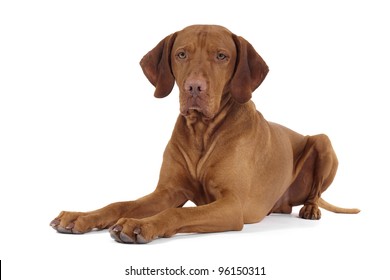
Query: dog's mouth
[(193, 104), (195, 108)]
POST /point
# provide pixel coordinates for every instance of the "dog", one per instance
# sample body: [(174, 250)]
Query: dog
[(235, 166)]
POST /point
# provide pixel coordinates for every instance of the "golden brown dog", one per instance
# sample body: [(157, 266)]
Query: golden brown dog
[(223, 155)]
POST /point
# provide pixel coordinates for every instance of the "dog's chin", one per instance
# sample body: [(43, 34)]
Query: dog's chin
[(196, 111)]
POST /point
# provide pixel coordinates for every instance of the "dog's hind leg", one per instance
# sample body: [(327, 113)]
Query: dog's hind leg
[(315, 169), (323, 170)]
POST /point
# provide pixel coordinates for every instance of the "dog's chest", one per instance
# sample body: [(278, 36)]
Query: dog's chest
[(200, 134)]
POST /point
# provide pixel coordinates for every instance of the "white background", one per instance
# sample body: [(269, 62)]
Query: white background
[(80, 128)]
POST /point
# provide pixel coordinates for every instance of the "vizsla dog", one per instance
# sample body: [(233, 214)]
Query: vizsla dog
[(223, 155)]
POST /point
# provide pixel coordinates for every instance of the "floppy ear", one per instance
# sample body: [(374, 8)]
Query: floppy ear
[(250, 71), (156, 66)]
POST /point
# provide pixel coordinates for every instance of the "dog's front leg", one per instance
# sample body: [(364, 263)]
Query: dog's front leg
[(82, 222), (223, 214)]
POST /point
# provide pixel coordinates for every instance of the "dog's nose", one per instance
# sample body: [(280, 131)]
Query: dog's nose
[(195, 87)]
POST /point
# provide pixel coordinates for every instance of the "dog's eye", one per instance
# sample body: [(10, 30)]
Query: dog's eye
[(221, 56), (181, 55)]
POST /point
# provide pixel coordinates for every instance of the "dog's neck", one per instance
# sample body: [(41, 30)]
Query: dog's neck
[(203, 128)]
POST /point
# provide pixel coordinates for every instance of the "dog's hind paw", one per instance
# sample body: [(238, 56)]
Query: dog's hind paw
[(310, 212)]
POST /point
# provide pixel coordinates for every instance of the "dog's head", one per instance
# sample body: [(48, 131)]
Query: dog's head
[(207, 62)]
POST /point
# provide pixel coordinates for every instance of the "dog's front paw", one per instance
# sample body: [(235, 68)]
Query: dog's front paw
[(76, 222), (310, 211), (128, 230)]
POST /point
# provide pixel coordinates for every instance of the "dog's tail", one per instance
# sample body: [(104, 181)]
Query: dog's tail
[(330, 207)]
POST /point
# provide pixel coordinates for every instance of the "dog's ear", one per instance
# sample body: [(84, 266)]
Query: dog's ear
[(156, 66), (250, 71)]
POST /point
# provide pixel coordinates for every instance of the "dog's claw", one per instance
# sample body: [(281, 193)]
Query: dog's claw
[(70, 226), (117, 234), (54, 224), (139, 237), (125, 238), (61, 229), (137, 230), (114, 236), (116, 228)]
